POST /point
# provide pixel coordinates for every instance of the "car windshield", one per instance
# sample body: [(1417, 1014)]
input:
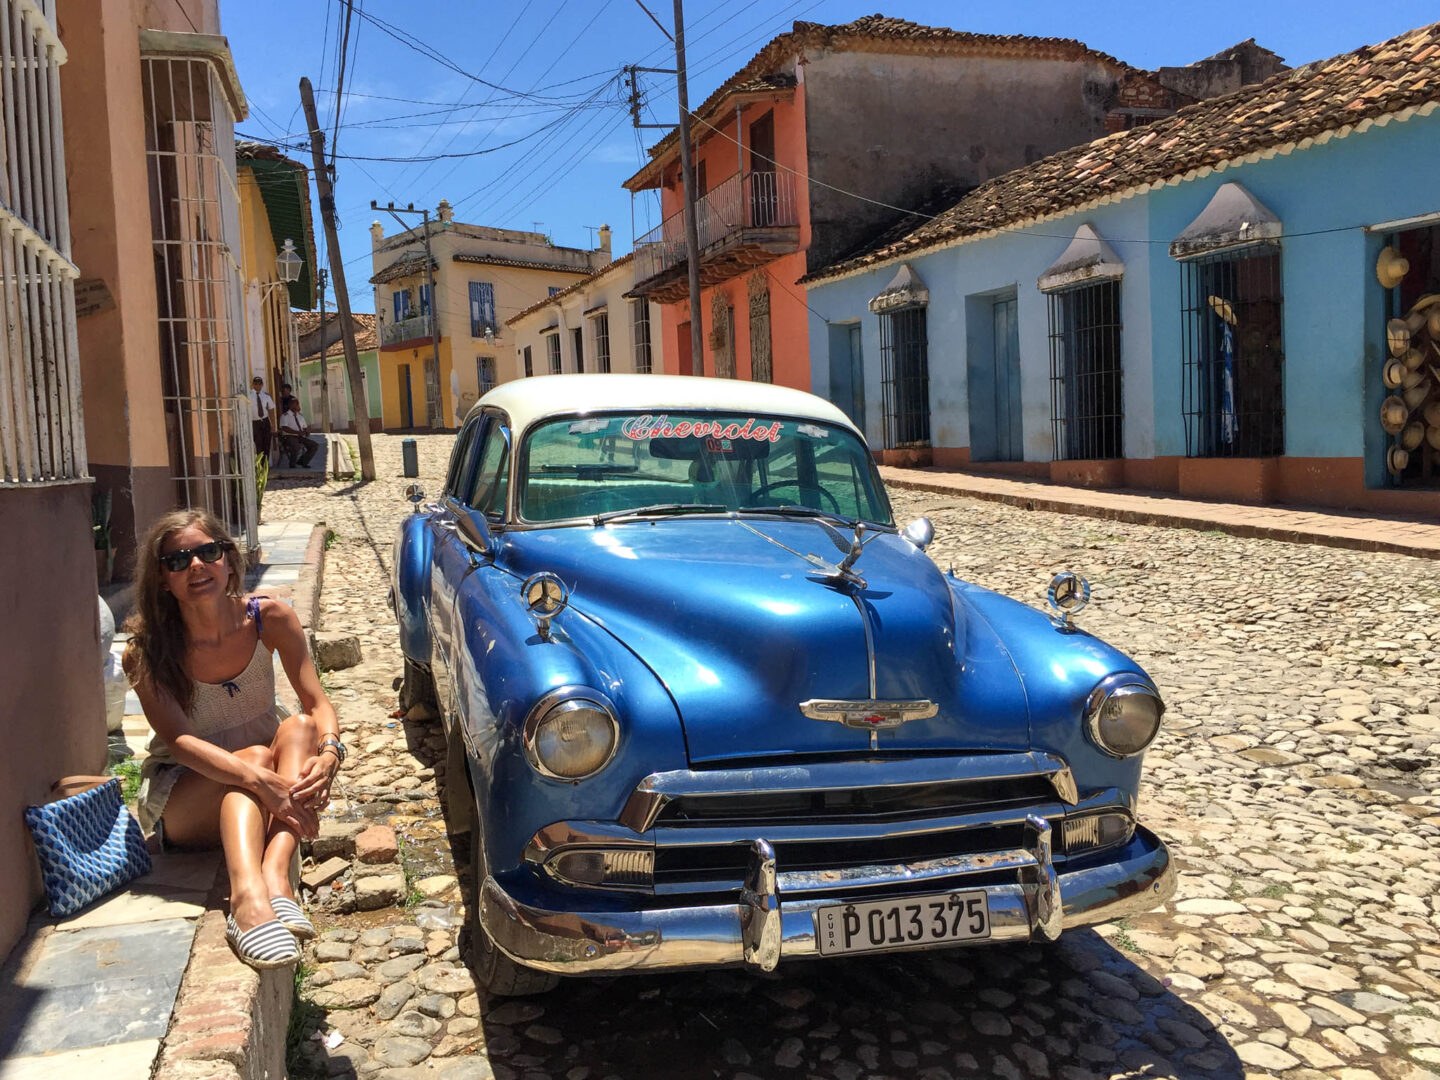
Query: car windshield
[(662, 463)]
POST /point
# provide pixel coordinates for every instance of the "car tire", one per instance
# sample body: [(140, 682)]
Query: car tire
[(494, 971), (418, 688)]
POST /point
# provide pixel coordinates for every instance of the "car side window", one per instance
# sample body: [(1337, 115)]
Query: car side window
[(461, 465), (487, 494)]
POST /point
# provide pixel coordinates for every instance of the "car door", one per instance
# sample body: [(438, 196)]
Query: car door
[(448, 559)]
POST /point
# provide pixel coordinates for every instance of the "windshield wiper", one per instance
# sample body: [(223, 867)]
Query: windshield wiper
[(660, 509), (800, 511)]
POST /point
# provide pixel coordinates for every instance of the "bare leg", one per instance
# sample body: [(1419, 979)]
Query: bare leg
[(202, 813), (296, 742)]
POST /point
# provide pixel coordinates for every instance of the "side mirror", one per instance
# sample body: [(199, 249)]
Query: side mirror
[(474, 533), (415, 494), (919, 532)]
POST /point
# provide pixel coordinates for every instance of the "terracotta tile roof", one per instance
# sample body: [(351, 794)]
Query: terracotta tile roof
[(521, 264), (412, 262), (1319, 99), (874, 33), (367, 335), (624, 260)]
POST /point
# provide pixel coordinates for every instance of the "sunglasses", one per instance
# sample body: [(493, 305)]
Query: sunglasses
[(175, 561)]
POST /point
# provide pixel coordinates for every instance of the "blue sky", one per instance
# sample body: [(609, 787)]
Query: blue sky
[(561, 103)]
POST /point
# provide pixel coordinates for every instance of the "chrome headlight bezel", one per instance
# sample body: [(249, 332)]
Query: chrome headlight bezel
[(1117, 688), (554, 704)]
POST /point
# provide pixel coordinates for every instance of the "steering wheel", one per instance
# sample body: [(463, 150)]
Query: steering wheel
[(765, 490)]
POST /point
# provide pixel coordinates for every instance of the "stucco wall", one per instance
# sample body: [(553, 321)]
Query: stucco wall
[(568, 313), (1333, 306), (890, 128), (52, 711)]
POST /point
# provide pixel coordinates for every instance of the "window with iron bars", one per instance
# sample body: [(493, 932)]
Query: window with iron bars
[(1233, 353), (552, 348), (640, 326), (42, 428), (601, 325), (905, 378), (1086, 414)]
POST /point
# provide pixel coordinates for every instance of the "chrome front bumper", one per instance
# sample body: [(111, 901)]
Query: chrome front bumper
[(764, 928)]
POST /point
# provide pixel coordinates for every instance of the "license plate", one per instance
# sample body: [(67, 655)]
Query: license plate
[(893, 924)]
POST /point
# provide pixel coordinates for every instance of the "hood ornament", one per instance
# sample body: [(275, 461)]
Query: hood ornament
[(1068, 594), (544, 596), (871, 716)]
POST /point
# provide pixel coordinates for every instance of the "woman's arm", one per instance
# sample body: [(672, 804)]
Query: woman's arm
[(283, 633), (169, 721)]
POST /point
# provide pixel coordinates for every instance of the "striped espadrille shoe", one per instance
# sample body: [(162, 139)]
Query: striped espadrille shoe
[(289, 913), (268, 945)]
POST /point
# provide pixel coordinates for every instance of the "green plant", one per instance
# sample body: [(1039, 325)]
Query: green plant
[(354, 456), (305, 1018), (1123, 940), (262, 477), (129, 773), (330, 537), (1275, 891), (100, 517)]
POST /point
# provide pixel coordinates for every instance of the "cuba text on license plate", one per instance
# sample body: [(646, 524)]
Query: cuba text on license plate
[(895, 924)]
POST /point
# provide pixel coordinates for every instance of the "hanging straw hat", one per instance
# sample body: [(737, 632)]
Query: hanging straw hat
[(1432, 435), (1412, 435), (1415, 396), (1432, 414), (1397, 334), (1222, 308), (1413, 357), (1397, 459), (1412, 377), (1391, 267), (1432, 323), (1393, 415), (1393, 373)]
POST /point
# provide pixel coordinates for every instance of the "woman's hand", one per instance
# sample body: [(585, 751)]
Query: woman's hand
[(274, 792), (312, 788)]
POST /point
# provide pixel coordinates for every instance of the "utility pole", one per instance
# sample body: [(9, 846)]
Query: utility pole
[(434, 411), (324, 364), (687, 178), (359, 407)]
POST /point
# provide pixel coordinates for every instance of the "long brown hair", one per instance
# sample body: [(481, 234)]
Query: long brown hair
[(156, 652)]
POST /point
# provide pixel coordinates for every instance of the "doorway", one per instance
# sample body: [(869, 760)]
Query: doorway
[(683, 361), (407, 402), (762, 172), (847, 372), (994, 377)]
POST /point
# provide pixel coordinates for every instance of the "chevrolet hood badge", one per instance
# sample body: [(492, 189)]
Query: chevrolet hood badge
[(871, 716)]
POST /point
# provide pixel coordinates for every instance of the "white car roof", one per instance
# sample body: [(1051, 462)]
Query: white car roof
[(527, 400)]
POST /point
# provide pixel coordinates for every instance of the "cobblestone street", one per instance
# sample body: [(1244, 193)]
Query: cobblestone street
[(1297, 780)]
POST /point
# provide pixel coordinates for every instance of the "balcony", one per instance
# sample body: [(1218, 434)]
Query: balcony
[(746, 221), (415, 328)]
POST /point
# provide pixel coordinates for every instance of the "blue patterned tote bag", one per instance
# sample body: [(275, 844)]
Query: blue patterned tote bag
[(89, 844)]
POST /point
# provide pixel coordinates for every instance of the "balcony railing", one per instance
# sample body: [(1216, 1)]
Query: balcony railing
[(754, 200), (416, 326)]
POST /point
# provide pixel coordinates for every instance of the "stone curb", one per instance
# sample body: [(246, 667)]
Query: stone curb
[(229, 1021), (1062, 505)]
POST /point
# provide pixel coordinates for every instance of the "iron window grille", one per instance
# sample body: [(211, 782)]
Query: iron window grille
[(1086, 402), (640, 326), (552, 348), (42, 427), (482, 308), (905, 378), (485, 373), (601, 323), (1233, 353)]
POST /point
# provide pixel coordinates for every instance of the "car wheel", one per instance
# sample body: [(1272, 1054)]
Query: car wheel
[(494, 971), (418, 688)]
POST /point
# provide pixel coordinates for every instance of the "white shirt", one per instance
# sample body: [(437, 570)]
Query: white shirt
[(262, 403), (293, 421)]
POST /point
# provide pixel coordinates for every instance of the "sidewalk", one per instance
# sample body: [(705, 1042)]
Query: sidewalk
[(1329, 528), (95, 993)]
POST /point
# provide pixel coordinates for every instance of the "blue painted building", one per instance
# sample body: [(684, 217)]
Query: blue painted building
[(1234, 301)]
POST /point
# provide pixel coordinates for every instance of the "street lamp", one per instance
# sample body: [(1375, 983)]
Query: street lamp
[(289, 263)]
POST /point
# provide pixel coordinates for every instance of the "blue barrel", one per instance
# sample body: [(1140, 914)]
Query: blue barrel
[(410, 456)]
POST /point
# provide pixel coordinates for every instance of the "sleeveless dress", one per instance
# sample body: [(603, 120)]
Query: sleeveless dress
[(232, 715)]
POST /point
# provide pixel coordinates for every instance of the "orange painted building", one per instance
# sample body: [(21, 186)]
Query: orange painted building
[(830, 135)]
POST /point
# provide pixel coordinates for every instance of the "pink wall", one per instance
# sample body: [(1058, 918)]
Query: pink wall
[(789, 321)]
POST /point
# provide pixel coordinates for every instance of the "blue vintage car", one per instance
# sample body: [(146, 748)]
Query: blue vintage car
[(706, 705)]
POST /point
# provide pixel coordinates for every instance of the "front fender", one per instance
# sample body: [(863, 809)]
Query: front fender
[(1059, 669), (502, 667), (410, 585)]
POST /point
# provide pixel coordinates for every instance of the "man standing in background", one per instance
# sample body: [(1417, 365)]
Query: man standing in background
[(262, 415)]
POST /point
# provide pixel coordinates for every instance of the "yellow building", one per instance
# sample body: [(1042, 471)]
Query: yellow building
[(480, 276), (274, 211)]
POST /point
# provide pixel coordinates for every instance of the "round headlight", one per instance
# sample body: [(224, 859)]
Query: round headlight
[(570, 736), (1124, 718)]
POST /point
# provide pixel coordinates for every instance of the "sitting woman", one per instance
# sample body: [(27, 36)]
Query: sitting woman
[(227, 765)]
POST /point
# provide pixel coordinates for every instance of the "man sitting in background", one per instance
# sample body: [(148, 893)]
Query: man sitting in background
[(295, 436)]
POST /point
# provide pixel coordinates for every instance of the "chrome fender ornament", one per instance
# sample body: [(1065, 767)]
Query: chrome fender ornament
[(1067, 596), (871, 716), (544, 596)]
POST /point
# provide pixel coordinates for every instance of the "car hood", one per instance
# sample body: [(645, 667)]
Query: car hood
[(741, 631)]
